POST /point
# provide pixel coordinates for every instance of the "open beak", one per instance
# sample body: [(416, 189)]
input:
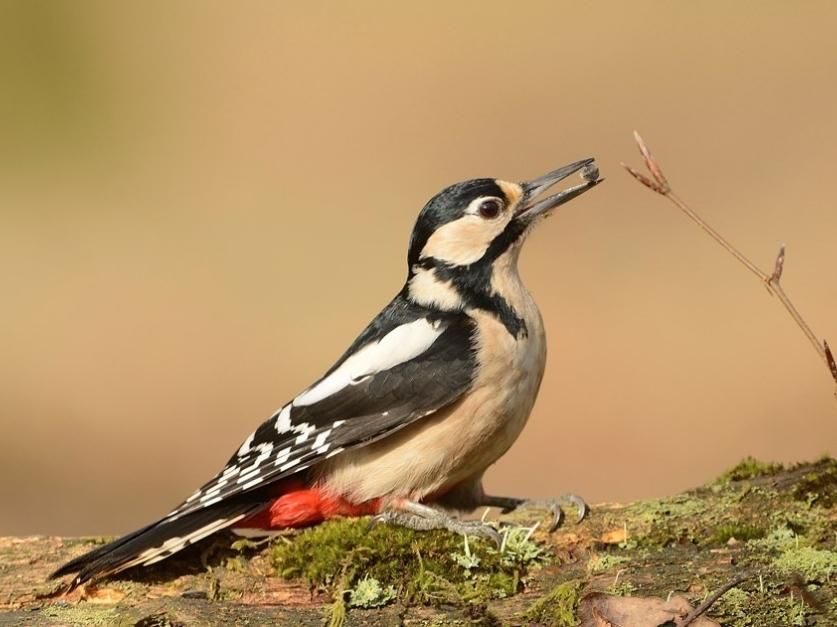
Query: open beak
[(531, 207)]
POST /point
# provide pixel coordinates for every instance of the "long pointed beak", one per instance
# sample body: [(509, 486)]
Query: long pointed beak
[(531, 207)]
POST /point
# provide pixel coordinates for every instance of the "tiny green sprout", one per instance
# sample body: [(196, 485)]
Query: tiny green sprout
[(368, 593), (628, 543), (624, 589), (517, 546), (466, 560), (796, 612)]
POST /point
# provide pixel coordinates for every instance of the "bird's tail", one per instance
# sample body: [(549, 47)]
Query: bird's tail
[(154, 542)]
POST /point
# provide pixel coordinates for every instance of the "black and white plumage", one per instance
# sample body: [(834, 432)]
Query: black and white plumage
[(431, 393), (408, 363)]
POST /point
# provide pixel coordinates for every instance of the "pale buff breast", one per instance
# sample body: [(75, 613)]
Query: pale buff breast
[(460, 442)]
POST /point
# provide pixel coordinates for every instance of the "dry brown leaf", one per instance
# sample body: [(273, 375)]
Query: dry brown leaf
[(103, 596), (602, 610), (615, 536), (600, 620)]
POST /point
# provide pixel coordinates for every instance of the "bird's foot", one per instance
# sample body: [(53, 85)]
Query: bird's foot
[(424, 518), (508, 504)]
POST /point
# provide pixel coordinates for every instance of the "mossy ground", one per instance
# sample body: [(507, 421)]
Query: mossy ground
[(347, 557), (778, 523), (559, 607)]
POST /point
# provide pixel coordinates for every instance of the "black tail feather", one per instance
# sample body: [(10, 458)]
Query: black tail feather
[(154, 542), (76, 564)]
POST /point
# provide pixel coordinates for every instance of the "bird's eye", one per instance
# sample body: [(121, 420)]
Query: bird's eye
[(490, 208)]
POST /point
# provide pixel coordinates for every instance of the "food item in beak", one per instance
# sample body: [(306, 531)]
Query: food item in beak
[(590, 172)]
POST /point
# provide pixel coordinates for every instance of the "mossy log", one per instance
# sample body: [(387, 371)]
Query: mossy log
[(777, 524)]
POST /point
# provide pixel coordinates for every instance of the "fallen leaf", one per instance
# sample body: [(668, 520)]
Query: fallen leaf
[(104, 596), (615, 536), (602, 610), (600, 620)]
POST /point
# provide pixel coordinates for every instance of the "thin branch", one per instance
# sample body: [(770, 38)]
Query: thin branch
[(779, 266), (701, 609), (658, 183), (829, 357)]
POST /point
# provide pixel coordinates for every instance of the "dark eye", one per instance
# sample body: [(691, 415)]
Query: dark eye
[(490, 208)]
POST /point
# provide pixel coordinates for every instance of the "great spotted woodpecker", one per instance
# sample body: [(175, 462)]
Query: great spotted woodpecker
[(434, 390)]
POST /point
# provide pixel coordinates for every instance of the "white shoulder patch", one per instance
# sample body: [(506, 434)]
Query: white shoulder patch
[(283, 420), (245, 447), (400, 345)]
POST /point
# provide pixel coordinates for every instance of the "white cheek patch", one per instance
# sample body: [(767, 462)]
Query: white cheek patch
[(463, 241), (396, 347), (426, 288)]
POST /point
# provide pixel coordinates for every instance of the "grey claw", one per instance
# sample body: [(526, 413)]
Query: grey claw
[(557, 517), (496, 537), (554, 506), (580, 503), (379, 519)]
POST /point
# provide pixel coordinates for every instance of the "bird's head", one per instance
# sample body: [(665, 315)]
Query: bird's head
[(470, 229)]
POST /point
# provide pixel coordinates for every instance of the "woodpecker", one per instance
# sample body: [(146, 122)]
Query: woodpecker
[(404, 425)]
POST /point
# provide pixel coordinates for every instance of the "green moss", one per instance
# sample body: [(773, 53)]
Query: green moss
[(734, 604), (603, 562), (740, 530), (773, 606), (82, 614), (681, 506), (738, 608), (663, 522), (559, 608), (431, 567), (813, 565), (749, 468), (819, 486), (778, 540)]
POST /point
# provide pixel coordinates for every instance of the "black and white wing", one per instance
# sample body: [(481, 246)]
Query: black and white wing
[(407, 364)]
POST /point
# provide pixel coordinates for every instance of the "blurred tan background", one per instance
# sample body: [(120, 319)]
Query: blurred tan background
[(201, 204)]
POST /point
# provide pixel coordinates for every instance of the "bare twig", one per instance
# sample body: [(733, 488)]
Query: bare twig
[(660, 184), (778, 266), (829, 357), (701, 609)]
